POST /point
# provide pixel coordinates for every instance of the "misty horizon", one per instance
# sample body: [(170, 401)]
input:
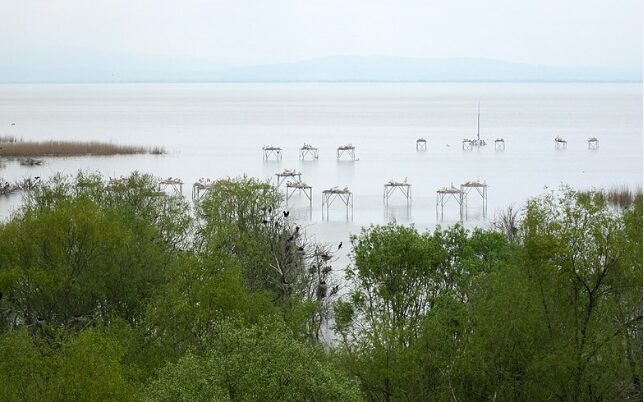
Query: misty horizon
[(286, 40), (127, 68)]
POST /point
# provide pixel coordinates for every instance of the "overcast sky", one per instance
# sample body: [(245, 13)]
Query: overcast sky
[(558, 32)]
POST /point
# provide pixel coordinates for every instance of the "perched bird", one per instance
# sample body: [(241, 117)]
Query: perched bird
[(340, 246), (290, 238), (297, 229), (286, 213), (301, 249), (264, 221), (334, 289), (37, 178)]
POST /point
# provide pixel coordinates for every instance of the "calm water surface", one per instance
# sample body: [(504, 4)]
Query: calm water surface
[(218, 130)]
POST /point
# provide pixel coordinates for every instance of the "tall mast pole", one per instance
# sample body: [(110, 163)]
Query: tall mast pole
[(478, 123)]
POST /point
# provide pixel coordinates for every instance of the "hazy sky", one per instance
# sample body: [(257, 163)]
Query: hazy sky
[(559, 32)]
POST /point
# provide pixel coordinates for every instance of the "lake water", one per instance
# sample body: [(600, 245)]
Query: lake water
[(218, 130)]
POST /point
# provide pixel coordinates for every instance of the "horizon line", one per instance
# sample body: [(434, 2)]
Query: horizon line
[(616, 81)]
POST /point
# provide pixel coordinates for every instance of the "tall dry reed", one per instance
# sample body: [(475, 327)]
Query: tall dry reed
[(70, 148)]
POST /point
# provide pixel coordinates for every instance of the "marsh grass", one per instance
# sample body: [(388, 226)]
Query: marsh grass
[(11, 147)]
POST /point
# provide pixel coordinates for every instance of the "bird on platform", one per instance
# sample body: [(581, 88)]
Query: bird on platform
[(340, 246)]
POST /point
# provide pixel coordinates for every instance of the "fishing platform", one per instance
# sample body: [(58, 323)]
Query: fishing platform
[(270, 151), (348, 152), (310, 151), (593, 143), (481, 190), (286, 174), (393, 186), (499, 144), (300, 187), (560, 143), (445, 194), (200, 188), (175, 186), (335, 193), (421, 145)]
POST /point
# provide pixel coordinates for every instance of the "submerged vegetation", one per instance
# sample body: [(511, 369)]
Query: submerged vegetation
[(109, 291), (13, 147)]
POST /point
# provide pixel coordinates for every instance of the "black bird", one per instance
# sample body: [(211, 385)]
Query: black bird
[(290, 238), (264, 221), (301, 248), (334, 289), (270, 210), (297, 229), (37, 178), (340, 246), (286, 213), (277, 224)]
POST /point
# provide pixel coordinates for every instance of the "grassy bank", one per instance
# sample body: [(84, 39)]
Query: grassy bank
[(70, 148)]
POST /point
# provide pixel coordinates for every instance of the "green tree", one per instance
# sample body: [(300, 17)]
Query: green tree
[(398, 277), (579, 254), (242, 217), (86, 366), (199, 293), (264, 362), (71, 265)]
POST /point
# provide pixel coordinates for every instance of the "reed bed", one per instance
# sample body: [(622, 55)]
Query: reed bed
[(70, 148), (9, 139), (619, 196)]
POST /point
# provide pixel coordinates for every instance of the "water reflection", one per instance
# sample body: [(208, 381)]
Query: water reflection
[(397, 213)]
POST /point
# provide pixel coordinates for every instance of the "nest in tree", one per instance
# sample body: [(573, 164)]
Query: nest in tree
[(321, 290)]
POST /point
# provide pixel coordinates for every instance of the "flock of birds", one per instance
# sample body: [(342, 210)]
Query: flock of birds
[(325, 256)]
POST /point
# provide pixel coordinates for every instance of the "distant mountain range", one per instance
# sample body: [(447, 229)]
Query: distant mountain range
[(111, 68)]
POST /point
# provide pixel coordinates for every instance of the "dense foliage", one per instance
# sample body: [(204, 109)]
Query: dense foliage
[(113, 291)]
